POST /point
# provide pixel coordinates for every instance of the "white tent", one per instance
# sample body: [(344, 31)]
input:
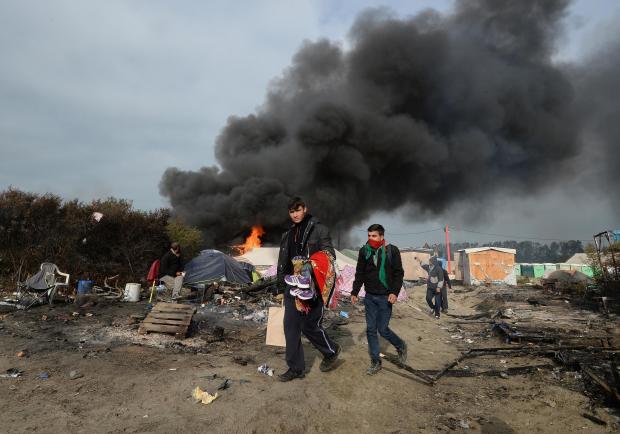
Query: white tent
[(264, 257)]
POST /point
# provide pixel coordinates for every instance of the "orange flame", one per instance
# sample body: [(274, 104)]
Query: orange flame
[(252, 241)]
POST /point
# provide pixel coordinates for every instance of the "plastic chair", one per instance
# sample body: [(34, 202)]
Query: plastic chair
[(43, 286)]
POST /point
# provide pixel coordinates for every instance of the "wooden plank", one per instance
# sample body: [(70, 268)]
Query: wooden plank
[(160, 328), (168, 318), (170, 315), (172, 312), (165, 321), (172, 306), (171, 318)]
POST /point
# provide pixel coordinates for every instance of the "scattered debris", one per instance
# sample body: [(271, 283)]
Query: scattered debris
[(74, 375), (203, 396), (225, 385), (12, 373), (264, 369), (43, 375), (594, 419)]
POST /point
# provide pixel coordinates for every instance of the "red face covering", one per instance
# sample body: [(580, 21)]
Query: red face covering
[(376, 244)]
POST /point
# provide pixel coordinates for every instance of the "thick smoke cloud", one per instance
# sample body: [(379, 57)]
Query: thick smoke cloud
[(420, 112), (598, 83)]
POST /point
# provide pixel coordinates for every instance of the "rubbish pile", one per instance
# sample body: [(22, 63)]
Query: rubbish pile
[(534, 325)]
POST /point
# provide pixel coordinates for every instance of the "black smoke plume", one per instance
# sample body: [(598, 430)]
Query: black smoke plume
[(420, 112), (597, 82)]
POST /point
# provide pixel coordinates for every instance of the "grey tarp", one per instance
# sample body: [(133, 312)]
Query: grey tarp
[(213, 265), (44, 279)]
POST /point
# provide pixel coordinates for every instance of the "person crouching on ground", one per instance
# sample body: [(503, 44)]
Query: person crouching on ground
[(171, 269), (434, 284), (303, 307), (380, 270)]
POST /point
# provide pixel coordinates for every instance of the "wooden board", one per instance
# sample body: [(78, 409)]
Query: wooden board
[(170, 318)]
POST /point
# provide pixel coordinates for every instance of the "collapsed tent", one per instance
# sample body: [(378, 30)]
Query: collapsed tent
[(212, 266)]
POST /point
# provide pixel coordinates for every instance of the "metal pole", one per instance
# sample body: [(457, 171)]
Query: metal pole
[(448, 248), (613, 257)]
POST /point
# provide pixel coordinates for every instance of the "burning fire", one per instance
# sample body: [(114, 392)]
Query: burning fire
[(253, 240)]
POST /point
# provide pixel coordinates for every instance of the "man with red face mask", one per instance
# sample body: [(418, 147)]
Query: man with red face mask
[(380, 270)]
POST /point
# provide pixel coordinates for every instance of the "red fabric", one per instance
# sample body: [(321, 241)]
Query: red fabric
[(153, 271), (324, 268), (376, 244)]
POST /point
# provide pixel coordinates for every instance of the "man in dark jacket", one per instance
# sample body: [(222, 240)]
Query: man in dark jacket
[(434, 285), (444, 291), (171, 269), (305, 237), (380, 270)]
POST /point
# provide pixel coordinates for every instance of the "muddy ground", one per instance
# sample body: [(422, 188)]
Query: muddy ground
[(129, 383)]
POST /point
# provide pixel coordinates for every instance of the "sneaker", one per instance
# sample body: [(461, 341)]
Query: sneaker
[(444, 310), (329, 362), (374, 368), (402, 354), (294, 291), (305, 294), (291, 375), (297, 280), (436, 316)]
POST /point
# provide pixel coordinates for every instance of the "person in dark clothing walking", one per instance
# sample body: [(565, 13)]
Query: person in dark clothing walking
[(171, 269), (305, 237), (380, 270), (444, 290), (434, 284)]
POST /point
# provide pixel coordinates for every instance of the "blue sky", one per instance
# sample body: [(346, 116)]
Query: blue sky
[(97, 99)]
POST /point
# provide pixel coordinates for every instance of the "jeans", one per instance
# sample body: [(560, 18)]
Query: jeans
[(378, 314), (174, 283), (436, 296)]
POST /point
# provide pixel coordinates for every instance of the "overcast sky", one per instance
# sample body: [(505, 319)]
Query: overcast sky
[(98, 98)]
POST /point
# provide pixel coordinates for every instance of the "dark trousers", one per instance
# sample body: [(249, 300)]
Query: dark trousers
[(378, 314), (431, 296), (296, 323), (444, 298)]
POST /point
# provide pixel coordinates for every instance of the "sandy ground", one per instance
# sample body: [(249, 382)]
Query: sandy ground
[(132, 383)]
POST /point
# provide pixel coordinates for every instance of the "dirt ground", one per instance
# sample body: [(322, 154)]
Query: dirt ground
[(129, 383)]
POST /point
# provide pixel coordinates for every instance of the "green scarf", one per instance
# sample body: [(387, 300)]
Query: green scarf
[(369, 251)]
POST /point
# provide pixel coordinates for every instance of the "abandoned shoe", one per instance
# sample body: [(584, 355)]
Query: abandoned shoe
[(374, 368), (305, 294), (297, 280), (402, 354), (329, 362), (294, 291), (290, 280), (291, 375)]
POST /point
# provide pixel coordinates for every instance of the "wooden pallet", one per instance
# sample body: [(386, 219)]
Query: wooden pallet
[(170, 318)]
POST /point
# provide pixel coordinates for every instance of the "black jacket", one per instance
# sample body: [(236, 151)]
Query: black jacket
[(446, 279), (367, 274), (315, 238), (170, 265)]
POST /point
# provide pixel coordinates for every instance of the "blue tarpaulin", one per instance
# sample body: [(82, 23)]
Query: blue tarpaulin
[(213, 265)]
